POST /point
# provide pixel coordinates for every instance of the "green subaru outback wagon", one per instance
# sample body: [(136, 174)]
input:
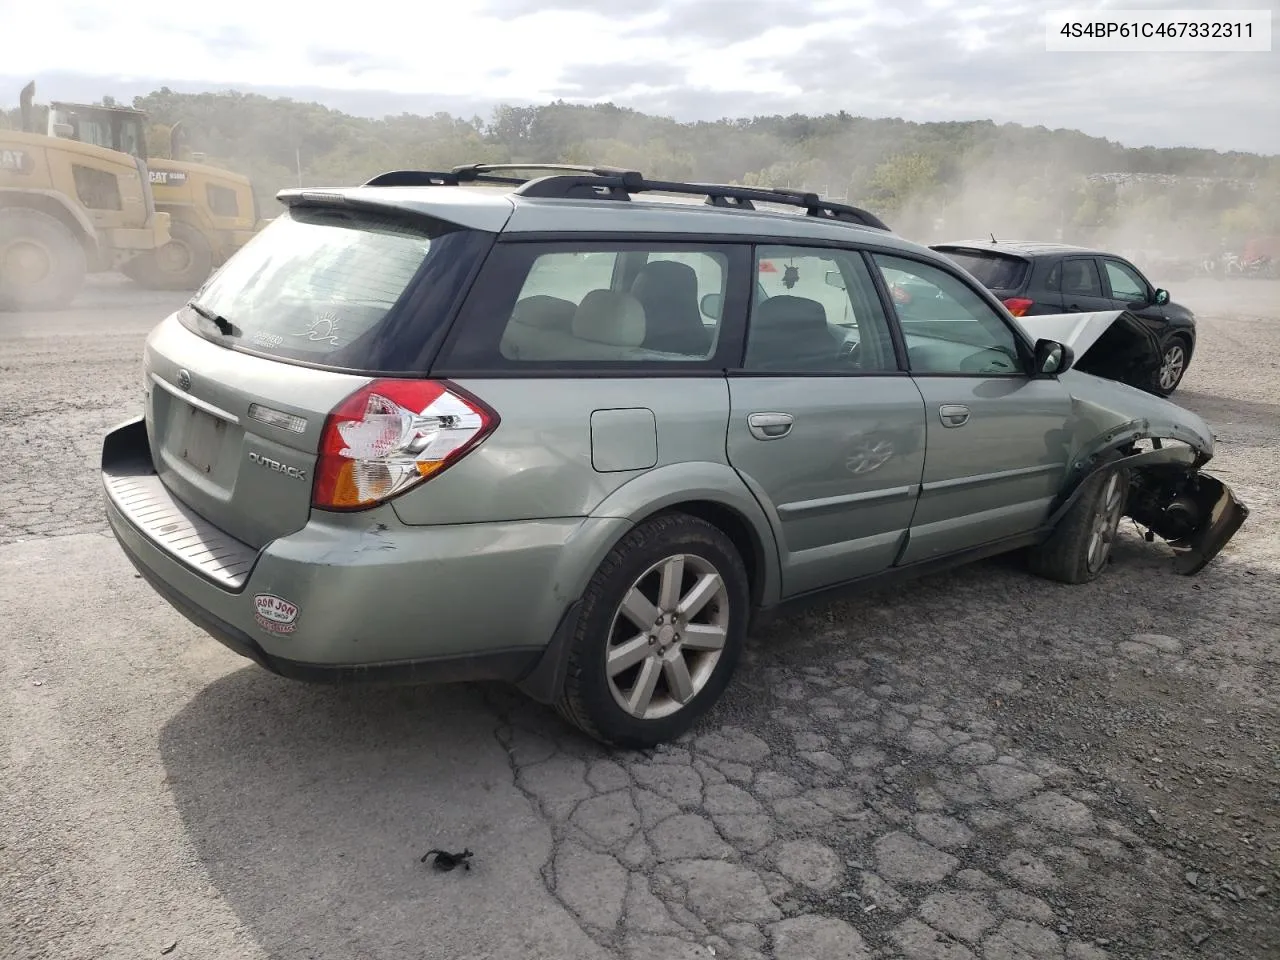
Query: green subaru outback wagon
[(576, 429)]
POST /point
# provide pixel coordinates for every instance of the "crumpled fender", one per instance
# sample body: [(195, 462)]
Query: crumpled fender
[(1220, 510)]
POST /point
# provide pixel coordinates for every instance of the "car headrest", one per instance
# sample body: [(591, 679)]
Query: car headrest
[(611, 317), (668, 280), (544, 313), (791, 315)]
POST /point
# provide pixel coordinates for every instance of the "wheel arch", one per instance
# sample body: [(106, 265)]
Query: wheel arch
[(1188, 339), (737, 528), (714, 492), (1120, 447)]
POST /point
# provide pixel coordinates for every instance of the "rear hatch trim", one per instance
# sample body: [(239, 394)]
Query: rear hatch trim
[(196, 402)]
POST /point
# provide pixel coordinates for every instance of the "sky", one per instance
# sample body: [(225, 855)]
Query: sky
[(921, 60)]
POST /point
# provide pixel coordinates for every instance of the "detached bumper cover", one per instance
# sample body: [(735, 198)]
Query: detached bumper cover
[(1225, 514)]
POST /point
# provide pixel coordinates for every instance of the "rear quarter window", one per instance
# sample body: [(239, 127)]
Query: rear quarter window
[(345, 289), (570, 304)]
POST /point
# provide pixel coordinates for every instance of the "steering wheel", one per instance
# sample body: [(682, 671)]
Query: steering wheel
[(851, 352), (988, 362)]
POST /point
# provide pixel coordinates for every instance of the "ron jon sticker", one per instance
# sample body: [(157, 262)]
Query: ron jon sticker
[(275, 614)]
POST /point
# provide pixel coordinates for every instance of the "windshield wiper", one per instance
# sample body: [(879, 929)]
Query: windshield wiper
[(224, 325)]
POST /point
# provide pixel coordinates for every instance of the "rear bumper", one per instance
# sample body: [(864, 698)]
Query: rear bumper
[(506, 665), (363, 596)]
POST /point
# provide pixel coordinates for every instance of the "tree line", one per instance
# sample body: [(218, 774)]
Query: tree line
[(928, 180)]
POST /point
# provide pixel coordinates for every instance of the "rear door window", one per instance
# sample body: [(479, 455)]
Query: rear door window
[(575, 304), (339, 288), (1080, 277), (822, 314)]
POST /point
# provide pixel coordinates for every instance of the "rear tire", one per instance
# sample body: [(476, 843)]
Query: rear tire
[(635, 685), (42, 264), (183, 263), (1080, 547)]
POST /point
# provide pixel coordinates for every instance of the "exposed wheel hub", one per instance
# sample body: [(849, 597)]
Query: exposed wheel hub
[(174, 257), (25, 263)]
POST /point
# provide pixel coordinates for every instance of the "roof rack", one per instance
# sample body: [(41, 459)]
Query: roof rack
[(567, 181)]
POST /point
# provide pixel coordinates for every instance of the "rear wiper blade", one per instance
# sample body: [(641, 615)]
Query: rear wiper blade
[(225, 327)]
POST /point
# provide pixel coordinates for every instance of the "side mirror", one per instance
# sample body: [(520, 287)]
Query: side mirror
[(711, 305), (1162, 297), (833, 278), (1052, 358)]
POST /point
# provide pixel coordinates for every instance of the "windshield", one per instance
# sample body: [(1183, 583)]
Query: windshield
[(995, 271), (325, 285)]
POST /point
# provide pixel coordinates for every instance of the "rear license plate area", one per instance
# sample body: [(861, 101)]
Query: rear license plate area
[(199, 438)]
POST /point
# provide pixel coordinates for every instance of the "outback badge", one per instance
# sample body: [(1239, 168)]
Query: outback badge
[(297, 473)]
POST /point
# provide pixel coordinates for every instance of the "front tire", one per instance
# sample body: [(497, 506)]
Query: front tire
[(1080, 547), (183, 263), (42, 265), (659, 633), (1173, 367)]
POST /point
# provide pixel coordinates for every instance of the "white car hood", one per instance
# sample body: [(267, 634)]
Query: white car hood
[(1079, 331)]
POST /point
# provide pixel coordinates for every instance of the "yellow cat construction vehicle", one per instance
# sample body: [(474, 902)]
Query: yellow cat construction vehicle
[(213, 212), (68, 209)]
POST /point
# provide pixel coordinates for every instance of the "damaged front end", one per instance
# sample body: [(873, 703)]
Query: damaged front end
[(1162, 445), (1195, 512), (1164, 448)]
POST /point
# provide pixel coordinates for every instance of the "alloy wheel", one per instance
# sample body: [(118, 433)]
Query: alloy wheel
[(1106, 521), (1171, 366), (667, 636)]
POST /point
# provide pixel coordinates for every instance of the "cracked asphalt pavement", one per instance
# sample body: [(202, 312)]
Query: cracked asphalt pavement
[(978, 764)]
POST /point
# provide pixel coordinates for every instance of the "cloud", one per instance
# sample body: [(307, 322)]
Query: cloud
[(354, 62), (689, 59), (988, 63), (606, 81), (226, 40)]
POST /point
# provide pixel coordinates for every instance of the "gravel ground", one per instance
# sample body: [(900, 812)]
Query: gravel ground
[(976, 765)]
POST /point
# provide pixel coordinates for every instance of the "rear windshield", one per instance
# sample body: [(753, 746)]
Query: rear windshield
[(995, 271), (339, 288)]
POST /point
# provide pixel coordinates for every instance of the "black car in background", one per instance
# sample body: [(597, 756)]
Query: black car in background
[(1149, 347)]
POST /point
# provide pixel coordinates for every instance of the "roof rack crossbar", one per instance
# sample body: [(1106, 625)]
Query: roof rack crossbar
[(566, 180)]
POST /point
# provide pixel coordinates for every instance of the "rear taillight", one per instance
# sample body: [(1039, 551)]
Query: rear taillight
[(390, 436), (1018, 306)]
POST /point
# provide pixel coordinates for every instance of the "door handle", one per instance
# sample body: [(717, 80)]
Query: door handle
[(770, 426), (953, 414)]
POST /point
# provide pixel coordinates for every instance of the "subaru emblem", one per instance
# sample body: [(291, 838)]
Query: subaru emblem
[(184, 380)]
